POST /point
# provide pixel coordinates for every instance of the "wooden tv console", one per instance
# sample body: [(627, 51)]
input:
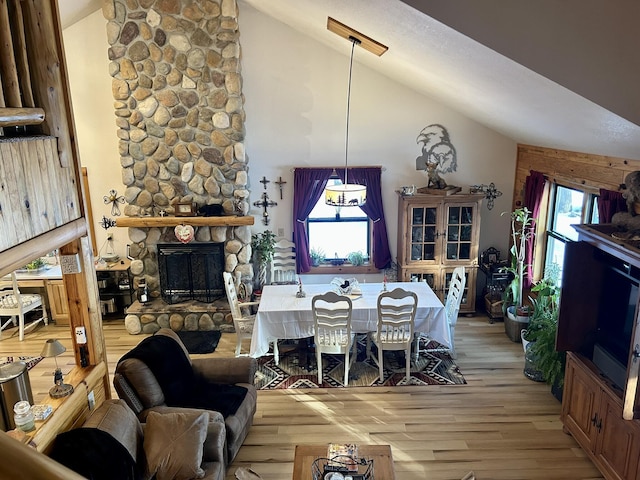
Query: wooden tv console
[(600, 415)]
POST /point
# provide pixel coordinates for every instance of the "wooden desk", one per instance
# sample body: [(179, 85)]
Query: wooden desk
[(381, 455)]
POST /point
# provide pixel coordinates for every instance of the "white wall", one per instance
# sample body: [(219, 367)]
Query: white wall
[(85, 44), (295, 91)]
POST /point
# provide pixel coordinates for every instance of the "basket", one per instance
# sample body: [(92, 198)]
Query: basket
[(513, 326), (493, 306)]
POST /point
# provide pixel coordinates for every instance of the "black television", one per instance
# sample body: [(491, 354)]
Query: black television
[(615, 321)]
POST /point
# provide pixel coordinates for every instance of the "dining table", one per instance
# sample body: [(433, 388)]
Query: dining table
[(284, 313)]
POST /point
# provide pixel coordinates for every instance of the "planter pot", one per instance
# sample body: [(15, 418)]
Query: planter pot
[(513, 324), (556, 391), (525, 342), (531, 370)]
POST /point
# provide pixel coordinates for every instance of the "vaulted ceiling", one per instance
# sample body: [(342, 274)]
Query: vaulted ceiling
[(547, 73)]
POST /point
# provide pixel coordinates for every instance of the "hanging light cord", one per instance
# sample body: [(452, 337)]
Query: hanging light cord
[(354, 42)]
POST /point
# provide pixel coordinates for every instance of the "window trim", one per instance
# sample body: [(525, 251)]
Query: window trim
[(548, 211)]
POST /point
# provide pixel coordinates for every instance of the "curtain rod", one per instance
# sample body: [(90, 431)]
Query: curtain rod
[(381, 167)]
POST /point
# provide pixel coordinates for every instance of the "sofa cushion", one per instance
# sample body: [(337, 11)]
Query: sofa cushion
[(117, 419), (173, 444)]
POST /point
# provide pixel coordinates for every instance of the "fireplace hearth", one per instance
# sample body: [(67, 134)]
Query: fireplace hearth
[(191, 272)]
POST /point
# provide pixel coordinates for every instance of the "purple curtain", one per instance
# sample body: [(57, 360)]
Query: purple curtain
[(609, 204), (533, 192), (371, 177), (308, 186)]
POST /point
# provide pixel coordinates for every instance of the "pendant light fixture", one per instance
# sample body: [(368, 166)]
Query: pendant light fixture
[(349, 194)]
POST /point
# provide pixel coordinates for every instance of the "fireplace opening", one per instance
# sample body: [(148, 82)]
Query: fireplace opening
[(191, 272)]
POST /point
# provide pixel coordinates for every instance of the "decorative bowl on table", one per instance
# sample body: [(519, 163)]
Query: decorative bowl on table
[(349, 286)]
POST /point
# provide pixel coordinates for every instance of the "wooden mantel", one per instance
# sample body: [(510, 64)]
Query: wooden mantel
[(154, 222)]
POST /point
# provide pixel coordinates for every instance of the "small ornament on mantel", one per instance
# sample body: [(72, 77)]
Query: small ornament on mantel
[(184, 233)]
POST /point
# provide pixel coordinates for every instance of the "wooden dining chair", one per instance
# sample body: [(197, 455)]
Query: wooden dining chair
[(452, 305), (332, 329), (15, 305), (283, 263), (242, 320), (396, 319)]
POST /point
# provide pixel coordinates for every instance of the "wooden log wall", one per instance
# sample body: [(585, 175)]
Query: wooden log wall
[(585, 171), (37, 194)]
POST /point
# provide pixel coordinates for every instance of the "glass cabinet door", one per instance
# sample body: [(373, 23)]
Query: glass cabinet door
[(459, 232), (424, 233)]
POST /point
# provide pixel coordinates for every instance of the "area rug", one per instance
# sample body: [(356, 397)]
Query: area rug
[(200, 341), (30, 361), (433, 368)]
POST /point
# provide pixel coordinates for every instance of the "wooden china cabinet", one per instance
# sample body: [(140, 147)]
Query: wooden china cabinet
[(436, 234)]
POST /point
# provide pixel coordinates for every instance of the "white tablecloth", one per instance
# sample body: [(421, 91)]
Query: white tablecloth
[(282, 315)]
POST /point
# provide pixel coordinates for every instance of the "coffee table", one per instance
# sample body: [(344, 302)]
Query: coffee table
[(381, 455)]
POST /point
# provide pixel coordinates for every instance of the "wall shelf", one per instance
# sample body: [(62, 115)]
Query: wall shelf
[(154, 222)]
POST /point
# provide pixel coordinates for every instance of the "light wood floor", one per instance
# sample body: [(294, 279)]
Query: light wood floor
[(501, 425)]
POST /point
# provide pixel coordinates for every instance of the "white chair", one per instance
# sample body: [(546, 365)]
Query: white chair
[(396, 319), (14, 304), (242, 320), (283, 263), (332, 329), (452, 305)]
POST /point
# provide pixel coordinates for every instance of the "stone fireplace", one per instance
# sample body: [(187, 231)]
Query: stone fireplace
[(179, 110)]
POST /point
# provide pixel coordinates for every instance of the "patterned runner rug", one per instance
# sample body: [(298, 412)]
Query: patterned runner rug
[(434, 368), (30, 361)]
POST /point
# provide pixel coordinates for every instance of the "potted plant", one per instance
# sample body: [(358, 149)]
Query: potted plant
[(542, 328), (317, 256), (356, 258), (513, 302), (263, 245)]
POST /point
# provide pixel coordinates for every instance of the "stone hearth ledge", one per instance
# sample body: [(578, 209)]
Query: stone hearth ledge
[(191, 315)]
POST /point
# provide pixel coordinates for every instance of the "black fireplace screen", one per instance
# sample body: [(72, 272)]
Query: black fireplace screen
[(191, 272)]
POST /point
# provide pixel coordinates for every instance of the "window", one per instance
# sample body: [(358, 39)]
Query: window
[(337, 235), (567, 207)]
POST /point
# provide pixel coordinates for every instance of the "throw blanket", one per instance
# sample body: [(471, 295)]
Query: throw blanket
[(181, 387), (84, 451)]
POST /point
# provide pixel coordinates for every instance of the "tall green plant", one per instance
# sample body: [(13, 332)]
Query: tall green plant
[(521, 232), (263, 246)]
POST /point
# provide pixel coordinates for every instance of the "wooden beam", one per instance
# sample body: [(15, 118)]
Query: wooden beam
[(7, 59), (22, 60), (11, 117), (21, 254), (44, 47), (346, 32), (152, 222), (77, 293)]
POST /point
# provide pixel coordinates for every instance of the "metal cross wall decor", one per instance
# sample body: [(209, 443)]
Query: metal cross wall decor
[(280, 183), (490, 192), (265, 203), (114, 199)]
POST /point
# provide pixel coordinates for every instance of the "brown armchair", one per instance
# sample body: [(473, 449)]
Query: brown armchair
[(211, 384)]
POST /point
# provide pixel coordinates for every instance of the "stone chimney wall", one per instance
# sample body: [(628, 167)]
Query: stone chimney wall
[(179, 110)]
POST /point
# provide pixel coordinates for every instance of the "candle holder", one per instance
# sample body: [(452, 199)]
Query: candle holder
[(300, 293)]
